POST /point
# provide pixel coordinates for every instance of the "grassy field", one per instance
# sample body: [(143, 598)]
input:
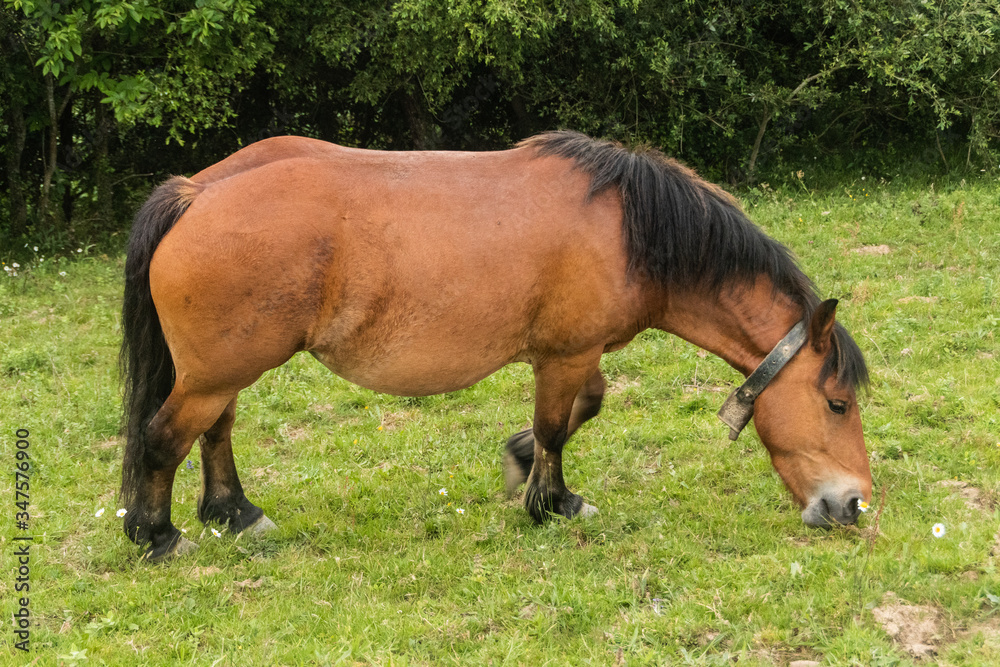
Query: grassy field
[(698, 556)]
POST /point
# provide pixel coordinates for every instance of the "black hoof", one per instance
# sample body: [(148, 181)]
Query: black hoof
[(263, 525), (518, 459), (236, 515), (543, 506), (161, 541), (179, 546)]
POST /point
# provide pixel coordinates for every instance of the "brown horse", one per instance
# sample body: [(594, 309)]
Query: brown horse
[(424, 272)]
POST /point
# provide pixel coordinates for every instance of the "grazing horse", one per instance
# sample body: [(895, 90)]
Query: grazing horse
[(416, 273)]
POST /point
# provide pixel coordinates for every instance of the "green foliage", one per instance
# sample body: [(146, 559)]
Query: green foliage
[(143, 88), (151, 66)]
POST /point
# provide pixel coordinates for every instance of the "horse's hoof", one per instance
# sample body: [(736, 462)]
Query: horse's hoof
[(260, 526), (587, 511), (183, 547)]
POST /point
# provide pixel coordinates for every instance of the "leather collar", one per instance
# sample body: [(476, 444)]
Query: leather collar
[(738, 408)]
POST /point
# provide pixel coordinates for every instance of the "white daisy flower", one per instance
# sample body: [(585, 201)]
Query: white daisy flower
[(863, 506), (99, 512), (460, 510), (122, 512), (216, 533), (938, 530), (442, 491)]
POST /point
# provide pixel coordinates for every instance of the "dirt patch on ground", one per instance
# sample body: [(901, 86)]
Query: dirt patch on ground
[(531, 610), (622, 383), (698, 388), (110, 443), (332, 412), (920, 299), (249, 583), (873, 250), (265, 472), (394, 420), (200, 572), (294, 433), (915, 628), (973, 497), (987, 633)]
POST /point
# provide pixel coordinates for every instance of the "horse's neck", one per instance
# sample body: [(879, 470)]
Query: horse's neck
[(739, 325)]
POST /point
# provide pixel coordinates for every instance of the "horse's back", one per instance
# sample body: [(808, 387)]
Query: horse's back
[(409, 273), (264, 152)]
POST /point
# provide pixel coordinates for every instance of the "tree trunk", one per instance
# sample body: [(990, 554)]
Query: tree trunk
[(416, 118), (44, 212), (756, 145), (102, 167), (55, 111), (769, 113), (15, 148), (522, 120), (69, 163)]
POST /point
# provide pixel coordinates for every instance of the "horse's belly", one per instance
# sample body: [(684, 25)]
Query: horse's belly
[(399, 342), (414, 374)]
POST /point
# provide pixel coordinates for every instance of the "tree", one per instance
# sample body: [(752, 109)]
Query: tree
[(114, 65), (99, 91)]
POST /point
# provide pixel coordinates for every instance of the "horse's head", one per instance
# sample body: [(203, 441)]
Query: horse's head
[(808, 419)]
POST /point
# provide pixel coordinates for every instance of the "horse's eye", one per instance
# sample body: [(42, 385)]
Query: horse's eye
[(838, 407)]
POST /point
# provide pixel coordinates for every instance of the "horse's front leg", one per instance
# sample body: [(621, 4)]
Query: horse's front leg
[(557, 383), (520, 451)]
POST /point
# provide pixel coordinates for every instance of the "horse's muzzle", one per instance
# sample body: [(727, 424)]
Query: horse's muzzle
[(829, 508)]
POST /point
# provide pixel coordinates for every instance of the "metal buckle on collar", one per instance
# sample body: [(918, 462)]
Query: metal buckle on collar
[(738, 408)]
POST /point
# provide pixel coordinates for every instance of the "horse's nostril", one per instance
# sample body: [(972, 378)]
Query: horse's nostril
[(825, 514), (854, 508)]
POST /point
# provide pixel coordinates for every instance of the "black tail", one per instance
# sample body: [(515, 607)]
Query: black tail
[(146, 367)]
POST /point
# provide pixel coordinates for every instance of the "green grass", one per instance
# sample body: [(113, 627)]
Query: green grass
[(698, 556)]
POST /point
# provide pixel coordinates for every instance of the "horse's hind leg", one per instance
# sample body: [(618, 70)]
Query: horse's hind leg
[(167, 441), (222, 499), (557, 384), (520, 454)]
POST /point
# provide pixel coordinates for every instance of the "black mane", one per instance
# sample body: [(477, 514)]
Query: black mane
[(682, 231)]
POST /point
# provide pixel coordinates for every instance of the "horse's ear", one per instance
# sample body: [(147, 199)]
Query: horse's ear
[(821, 326)]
